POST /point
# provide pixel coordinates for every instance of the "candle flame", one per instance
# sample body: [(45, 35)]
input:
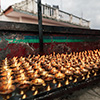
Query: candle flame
[(44, 84), (54, 81), (7, 97), (88, 76), (24, 96), (33, 88), (92, 71), (70, 78), (59, 85), (83, 78), (75, 80), (95, 74), (22, 92), (36, 92), (67, 82), (48, 88)]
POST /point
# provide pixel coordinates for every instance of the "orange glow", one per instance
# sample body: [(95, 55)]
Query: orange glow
[(70, 78), (54, 81), (36, 92), (83, 78), (59, 85), (22, 92), (67, 82), (24, 96), (44, 84), (59, 75), (7, 97), (95, 74), (38, 71), (75, 80), (88, 75), (33, 88), (81, 67), (48, 88), (92, 71), (38, 81)]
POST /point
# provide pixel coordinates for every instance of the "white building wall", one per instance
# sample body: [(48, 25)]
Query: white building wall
[(6, 18)]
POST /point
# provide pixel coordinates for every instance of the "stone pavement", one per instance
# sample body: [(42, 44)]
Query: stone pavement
[(89, 93)]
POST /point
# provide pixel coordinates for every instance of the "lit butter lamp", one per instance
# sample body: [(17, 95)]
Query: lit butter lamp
[(6, 86), (36, 57), (14, 62), (22, 59), (89, 68), (38, 84), (53, 63), (26, 65), (7, 73), (35, 74), (49, 67), (24, 96), (36, 66), (77, 75), (63, 69), (53, 71), (22, 81), (5, 62), (49, 81), (60, 78), (44, 73), (19, 72), (96, 69), (84, 72), (4, 65), (16, 66), (30, 73), (40, 69), (69, 76), (29, 69)]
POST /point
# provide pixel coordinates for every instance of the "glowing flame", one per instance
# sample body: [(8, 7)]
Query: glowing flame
[(9, 83), (59, 85), (33, 88), (48, 88), (7, 97), (88, 76), (5, 61), (95, 74), (83, 78), (70, 78), (75, 80), (54, 81), (16, 63), (29, 56), (36, 72), (44, 84), (67, 82), (92, 71), (36, 92), (24, 96), (22, 92)]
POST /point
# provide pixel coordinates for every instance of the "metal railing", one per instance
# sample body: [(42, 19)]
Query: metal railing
[(51, 12), (48, 11)]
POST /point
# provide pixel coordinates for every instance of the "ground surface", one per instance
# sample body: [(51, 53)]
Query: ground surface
[(88, 93)]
